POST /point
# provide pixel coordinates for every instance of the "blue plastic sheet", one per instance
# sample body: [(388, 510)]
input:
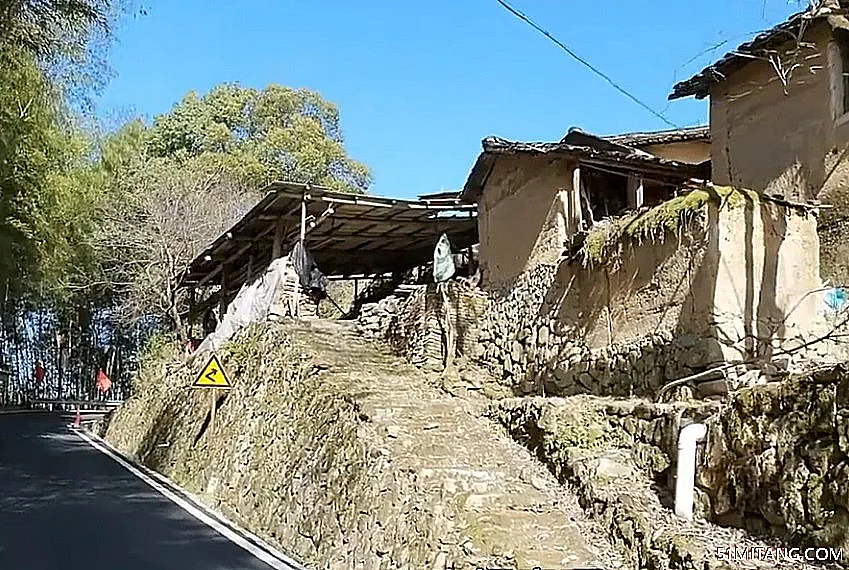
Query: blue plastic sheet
[(836, 299)]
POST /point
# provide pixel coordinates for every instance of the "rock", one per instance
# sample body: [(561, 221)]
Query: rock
[(782, 363), (771, 511), (564, 376), (612, 464), (516, 351), (712, 388), (750, 378)]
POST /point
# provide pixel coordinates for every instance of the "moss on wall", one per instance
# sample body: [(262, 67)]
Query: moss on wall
[(777, 458), (606, 242)]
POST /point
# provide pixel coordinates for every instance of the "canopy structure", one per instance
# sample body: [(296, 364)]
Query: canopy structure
[(348, 234)]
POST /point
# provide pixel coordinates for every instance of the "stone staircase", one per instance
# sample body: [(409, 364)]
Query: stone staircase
[(502, 508)]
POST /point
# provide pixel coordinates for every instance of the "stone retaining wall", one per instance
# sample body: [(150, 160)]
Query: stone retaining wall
[(777, 459), (288, 457), (728, 286), (619, 457), (525, 342), (419, 325)]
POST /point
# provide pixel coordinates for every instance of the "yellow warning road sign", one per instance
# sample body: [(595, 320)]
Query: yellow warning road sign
[(212, 375)]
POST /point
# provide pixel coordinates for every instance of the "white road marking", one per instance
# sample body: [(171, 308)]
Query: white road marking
[(267, 553)]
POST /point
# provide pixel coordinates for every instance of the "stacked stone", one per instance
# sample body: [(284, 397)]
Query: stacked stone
[(416, 330), (468, 305), (374, 318), (505, 336), (777, 458), (522, 341), (290, 457), (613, 454)]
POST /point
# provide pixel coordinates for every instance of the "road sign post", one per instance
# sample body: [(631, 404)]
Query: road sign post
[(213, 377)]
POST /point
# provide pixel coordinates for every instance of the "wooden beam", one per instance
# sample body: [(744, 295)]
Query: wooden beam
[(279, 232), (250, 266), (209, 276), (303, 217), (222, 297), (420, 217), (635, 192), (297, 309), (577, 192)]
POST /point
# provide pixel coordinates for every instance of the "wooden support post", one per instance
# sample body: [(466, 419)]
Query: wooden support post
[(304, 217), (250, 274), (575, 197), (279, 232), (635, 192), (191, 318), (565, 198), (222, 295), (303, 235)]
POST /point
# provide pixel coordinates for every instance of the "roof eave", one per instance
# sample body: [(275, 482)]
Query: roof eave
[(478, 176), (699, 85)]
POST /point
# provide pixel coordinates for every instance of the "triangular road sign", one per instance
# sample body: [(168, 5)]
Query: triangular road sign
[(212, 375)]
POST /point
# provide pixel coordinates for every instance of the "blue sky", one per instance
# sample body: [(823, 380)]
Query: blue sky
[(419, 84)]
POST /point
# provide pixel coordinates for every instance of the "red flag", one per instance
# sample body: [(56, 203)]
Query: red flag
[(103, 381), (39, 371)]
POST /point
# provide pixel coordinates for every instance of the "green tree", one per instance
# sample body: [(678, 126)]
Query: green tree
[(176, 185), (29, 141), (277, 133), (69, 40), (47, 28), (49, 50)]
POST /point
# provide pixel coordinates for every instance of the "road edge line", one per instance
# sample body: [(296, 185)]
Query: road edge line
[(171, 491)]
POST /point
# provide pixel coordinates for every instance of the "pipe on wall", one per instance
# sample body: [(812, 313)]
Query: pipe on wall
[(685, 479)]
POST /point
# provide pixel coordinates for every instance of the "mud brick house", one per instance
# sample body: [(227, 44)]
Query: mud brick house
[(613, 265), (779, 118), (539, 194), (690, 145)]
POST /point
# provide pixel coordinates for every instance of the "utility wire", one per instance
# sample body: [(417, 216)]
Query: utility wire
[(584, 62)]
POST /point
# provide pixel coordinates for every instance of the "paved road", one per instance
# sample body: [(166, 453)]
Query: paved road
[(66, 506)]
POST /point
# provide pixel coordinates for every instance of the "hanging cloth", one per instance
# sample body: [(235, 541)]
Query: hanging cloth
[(311, 278), (443, 260)]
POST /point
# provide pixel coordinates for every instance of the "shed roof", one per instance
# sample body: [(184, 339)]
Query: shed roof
[(762, 46), (348, 234), (609, 155)]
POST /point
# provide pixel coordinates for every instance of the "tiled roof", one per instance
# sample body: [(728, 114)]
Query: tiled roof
[(761, 46)]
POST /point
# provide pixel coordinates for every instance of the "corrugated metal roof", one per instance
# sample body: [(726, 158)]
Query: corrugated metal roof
[(348, 234)]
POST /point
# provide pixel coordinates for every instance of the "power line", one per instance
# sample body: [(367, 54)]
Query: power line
[(587, 64)]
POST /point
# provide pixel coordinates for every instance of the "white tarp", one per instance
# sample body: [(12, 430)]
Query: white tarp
[(251, 305), (443, 261)]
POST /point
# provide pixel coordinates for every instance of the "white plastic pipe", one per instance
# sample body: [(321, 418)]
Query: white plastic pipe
[(686, 476)]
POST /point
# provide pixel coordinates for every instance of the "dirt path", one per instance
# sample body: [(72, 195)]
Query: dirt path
[(511, 509)]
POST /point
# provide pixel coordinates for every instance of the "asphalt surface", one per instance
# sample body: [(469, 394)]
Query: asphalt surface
[(65, 506)]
